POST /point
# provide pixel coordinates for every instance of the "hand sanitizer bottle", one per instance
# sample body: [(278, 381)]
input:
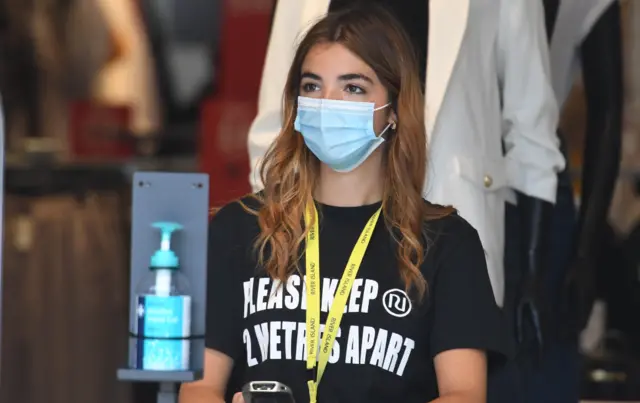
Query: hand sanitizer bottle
[(163, 314)]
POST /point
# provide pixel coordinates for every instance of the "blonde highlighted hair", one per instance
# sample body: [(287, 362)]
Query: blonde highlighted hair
[(289, 171)]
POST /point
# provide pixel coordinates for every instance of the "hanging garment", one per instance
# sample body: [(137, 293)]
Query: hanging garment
[(65, 297), (129, 77)]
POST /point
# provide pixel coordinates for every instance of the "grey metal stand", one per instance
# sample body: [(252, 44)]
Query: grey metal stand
[(183, 198), (168, 393)]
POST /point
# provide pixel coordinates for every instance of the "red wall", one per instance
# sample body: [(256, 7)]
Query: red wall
[(227, 115)]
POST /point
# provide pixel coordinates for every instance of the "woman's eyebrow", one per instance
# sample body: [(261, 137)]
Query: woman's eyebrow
[(343, 77), (310, 75), (355, 76)]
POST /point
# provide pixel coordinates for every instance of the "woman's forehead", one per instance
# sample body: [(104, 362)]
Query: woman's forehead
[(334, 60)]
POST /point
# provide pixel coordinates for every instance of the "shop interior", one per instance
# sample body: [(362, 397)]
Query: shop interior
[(94, 90)]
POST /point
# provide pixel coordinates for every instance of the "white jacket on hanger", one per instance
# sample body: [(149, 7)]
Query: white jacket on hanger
[(488, 85)]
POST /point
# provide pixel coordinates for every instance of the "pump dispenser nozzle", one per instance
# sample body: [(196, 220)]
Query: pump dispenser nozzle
[(164, 257)]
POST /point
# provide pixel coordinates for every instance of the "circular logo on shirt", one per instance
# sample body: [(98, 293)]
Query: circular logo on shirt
[(396, 302)]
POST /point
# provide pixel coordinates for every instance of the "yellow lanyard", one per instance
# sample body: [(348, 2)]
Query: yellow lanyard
[(312, 257)]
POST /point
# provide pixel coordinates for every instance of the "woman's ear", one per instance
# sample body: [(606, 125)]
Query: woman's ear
[(393, 120)]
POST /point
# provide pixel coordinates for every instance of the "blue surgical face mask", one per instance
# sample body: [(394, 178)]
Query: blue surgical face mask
[(339, 133)]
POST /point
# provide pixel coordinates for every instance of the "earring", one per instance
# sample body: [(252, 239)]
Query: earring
[(393, 126)]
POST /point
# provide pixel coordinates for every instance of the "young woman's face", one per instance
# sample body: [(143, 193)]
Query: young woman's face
[(331, 71)]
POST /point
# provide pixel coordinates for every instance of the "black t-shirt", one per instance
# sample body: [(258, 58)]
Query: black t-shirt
[(387, 339)]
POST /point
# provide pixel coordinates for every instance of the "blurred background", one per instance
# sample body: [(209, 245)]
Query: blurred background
[(93, 90)]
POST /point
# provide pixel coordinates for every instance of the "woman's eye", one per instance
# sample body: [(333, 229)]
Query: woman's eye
[(309, 87), (354, 89)]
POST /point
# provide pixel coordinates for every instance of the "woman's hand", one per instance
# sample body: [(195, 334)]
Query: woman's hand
[(237, 398)]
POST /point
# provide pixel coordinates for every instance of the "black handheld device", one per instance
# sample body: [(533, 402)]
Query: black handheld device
[(267, 392)]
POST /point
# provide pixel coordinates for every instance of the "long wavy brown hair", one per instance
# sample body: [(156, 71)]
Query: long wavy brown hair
[(289, 171)]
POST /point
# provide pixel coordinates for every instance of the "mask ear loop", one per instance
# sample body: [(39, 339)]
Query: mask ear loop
[(391, 125), (384, 131), (382, 107)]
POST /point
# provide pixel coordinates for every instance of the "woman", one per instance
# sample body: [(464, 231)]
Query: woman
[(414, 317)]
